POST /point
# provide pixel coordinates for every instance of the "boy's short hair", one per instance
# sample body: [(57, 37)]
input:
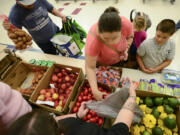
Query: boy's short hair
[(167, 26)]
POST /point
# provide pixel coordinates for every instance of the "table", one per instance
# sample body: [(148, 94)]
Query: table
[(135, 75)]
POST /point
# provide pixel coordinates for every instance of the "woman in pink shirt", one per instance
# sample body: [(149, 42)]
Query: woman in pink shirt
[(107, 43), (12, 105)]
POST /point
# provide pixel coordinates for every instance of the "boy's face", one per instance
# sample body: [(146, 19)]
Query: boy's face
[(161, 37)]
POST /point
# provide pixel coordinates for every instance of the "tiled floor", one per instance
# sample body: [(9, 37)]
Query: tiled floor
[(90, 12)]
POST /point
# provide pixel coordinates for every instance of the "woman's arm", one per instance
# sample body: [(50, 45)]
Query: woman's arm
[(126, 114), (90, 65), (59, 14)]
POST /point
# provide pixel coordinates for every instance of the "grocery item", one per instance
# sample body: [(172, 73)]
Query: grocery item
[(170, 76), (161, 120), (108, 75)]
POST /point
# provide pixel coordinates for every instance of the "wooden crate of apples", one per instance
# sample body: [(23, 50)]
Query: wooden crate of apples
[(59, 87), (25, 78), (85, 94)]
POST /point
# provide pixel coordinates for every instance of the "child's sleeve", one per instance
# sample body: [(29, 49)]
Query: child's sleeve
[(171, 52), (141, 51)]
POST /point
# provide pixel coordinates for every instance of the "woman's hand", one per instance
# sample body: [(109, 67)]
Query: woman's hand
[(82, 110), (98, 95), (132, 88)]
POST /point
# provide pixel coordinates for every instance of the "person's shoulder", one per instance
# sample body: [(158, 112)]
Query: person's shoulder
[(171, 42), (125, 21), (149, 41), (14, 9)]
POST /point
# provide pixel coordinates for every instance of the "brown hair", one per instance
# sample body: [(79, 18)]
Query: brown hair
[(167, 26), (109, 21), (35, 123), (139, 23), (2, 127)]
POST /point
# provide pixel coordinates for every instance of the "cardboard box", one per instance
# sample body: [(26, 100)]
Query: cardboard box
[(21, 76), (72, 104), (140, 93), (8, 61), (45, 84)]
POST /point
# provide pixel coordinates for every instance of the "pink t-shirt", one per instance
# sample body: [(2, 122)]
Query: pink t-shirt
[(139, 37), (106, 55), (12, 104)]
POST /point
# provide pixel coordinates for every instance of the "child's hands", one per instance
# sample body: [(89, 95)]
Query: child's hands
[(153, 70), (146, 70)]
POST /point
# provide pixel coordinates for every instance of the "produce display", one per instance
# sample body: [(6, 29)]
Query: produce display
[(160, 117), (153, 85), (37, 77), (41, 62), (108, 75), (86, 95), (61, 85)]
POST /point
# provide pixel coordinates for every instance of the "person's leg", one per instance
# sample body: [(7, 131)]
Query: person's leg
[(48, 48)]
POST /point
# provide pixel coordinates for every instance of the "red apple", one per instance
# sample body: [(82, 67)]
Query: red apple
[(56, 103), (52, 90), (64, 102), (59, 80), (56, 70), (67, 78), (68, 92), (61, 97), (68, 84), (43, 92), (71, 75), (63, 86), (59, 75), (48, 94), (54, 78), (70, 88), (49, 99)]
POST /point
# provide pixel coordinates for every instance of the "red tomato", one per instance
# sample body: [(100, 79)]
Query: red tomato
[(75, 109), (89, 90), (89, 116), (78, 104), (85, 98), (82, 94), (93, 113), (80, 99), (84, 118), (100, 122), (86, 92), (89, 98), (93, 120)]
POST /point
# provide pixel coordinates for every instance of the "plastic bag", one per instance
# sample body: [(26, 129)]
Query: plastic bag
[(170, 76), (20, 38), (113, 103)]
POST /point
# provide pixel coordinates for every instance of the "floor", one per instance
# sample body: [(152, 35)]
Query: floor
[(89, 13)]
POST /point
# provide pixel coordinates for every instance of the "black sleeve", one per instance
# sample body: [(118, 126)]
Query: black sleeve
[(118, 129)]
